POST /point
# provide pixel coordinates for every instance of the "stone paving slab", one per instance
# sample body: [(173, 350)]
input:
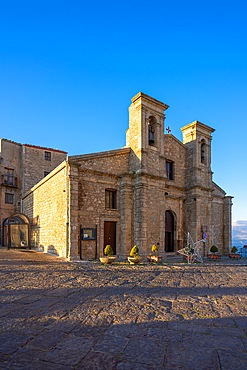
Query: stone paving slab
[(62, 315)]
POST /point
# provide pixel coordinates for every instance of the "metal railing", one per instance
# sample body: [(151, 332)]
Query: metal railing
[(8, 180)]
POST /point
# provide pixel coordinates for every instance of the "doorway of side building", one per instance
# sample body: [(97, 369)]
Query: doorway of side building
[(110, 234), (16, 231), (169, 232)]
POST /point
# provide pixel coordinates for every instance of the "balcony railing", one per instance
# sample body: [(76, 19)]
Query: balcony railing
[(9, 181)]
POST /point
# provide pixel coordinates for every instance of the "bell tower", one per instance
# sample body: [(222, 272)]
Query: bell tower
[(197, 138), (198, 181), (146, 127)]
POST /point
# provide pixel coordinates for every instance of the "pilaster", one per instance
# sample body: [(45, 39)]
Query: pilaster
[(126, 221), (140, 212), (73, 226)]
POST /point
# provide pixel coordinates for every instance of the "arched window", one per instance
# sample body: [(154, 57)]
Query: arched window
[(151, 130), (203, 151)]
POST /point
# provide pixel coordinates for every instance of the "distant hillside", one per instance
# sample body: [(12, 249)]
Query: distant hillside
[(239, 233)]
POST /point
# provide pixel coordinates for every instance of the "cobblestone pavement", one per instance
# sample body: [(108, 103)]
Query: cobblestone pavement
[(82, 315)]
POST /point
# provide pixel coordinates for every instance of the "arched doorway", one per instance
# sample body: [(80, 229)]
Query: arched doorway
[(16, 231), (169, 232)]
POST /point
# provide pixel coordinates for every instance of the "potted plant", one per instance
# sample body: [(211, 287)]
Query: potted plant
[(108, 255), (214, 253), (134, 256), (233, 253), (154, 256)]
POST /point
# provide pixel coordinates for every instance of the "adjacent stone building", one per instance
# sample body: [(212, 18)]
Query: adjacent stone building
[(21, 167), (154, 190)]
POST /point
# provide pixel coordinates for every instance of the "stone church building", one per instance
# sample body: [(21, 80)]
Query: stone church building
[(154, 190)]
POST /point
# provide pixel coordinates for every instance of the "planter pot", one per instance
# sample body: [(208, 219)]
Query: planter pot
[(234, 255), (133, 260), (155, 259), (107, 259), (214, 256)]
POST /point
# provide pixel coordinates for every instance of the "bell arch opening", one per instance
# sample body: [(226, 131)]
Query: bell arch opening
[(203, 152), (152, 130)]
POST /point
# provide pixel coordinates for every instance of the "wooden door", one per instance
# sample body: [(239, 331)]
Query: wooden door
[(110, 234)]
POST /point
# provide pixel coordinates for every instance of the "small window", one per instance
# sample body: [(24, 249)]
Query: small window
[(46, 173), (111, 199), (48, 156), (9, 177), (170, 170), (9, 198)]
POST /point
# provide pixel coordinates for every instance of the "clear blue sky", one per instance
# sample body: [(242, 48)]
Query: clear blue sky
[(69, 68)]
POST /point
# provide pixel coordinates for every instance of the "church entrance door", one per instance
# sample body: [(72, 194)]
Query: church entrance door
[(169, 232)]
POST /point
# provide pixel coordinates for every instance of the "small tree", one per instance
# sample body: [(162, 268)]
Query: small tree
[(234, 249), (134, 252), (108, 250), (214, 249)]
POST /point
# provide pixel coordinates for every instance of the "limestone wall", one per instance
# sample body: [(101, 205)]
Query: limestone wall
[(114, 161), (175, 151), (46, 206), (218, 224), (35, 165)]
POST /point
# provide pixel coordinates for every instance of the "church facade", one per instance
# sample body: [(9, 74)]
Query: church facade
[(154, 190)]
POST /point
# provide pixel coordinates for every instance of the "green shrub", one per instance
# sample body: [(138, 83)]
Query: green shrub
[(214, 249), (134, 252), (234, 249), (108, 250)]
